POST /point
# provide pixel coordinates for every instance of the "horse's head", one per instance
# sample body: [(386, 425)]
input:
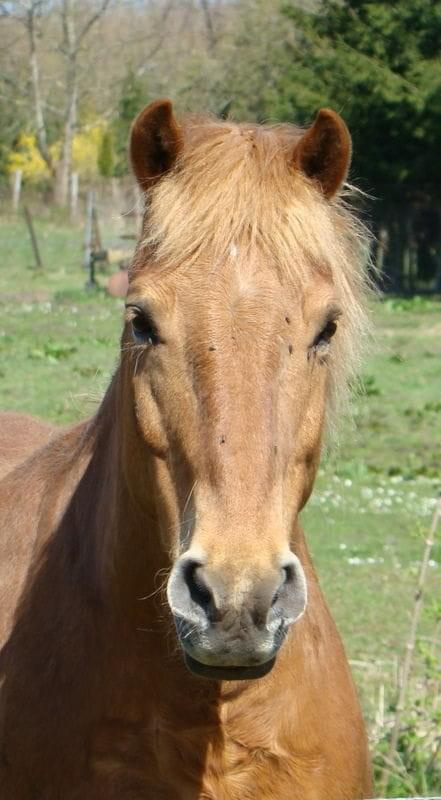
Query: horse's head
[(242, 307)]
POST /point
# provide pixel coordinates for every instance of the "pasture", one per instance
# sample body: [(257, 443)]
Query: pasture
[(376, 490)]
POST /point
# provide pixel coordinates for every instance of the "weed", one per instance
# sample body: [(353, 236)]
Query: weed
[(53, 351), (367, 386), (415, 768)]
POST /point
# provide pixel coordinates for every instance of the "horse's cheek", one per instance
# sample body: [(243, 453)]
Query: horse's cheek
[(149, 419)]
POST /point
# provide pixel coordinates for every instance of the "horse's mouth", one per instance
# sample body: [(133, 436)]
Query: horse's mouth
[(228, 673)]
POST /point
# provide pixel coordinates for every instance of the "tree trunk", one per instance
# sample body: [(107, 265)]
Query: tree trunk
[(209, 27), (70, 49), (34, 67), (38, 107), (64, 166)]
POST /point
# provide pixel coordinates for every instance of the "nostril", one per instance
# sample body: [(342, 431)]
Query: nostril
[(276, 596), (289, 573), (289, 600), (199, 591), (288, 576)]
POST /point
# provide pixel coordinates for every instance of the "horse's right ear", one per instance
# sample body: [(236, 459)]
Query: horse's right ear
[(155, 142)]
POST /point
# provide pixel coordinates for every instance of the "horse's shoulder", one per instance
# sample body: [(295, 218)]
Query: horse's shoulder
[(20, 436), (32, 496)]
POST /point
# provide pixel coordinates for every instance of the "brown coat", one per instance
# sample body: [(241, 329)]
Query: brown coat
[(205, 445)]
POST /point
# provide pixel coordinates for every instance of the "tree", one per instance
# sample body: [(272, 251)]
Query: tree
[(29, 14), (377, 63), (34, 16), (64, 63), (73, 38)]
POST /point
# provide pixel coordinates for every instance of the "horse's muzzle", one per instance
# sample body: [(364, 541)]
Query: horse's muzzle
[(228, 673), (233, 631)]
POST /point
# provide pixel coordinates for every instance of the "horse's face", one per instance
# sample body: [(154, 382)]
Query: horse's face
[(230, 382)]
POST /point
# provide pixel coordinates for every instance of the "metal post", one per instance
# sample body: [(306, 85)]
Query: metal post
[(88, 228), (91, 281)]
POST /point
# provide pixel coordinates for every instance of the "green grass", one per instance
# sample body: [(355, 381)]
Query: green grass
[(58, 343), (374, 496)]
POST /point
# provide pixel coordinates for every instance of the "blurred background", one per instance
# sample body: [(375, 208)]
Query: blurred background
[(73, 74)]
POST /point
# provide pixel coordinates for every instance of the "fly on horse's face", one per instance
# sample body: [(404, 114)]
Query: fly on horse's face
[(230, 368)]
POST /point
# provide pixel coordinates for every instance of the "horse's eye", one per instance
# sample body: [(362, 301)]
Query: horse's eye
[(322, 340), (143, 329)]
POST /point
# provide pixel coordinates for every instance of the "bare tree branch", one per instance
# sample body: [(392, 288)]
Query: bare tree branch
[(92, 20), (209, 24)]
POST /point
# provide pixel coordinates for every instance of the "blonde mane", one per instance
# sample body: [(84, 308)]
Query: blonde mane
[(238, 184)]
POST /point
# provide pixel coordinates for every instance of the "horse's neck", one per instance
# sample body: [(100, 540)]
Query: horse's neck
[(115, 502)]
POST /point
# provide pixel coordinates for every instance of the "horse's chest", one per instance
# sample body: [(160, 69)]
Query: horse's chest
[(167, 764), (218, 766), (246, 773)]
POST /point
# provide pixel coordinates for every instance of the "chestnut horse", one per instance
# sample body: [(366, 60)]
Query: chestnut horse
[(164, 636)]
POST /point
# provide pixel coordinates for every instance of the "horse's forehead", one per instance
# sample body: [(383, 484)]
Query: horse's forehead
[(252, 281), (238, 269), (239, 281), (229, 288)]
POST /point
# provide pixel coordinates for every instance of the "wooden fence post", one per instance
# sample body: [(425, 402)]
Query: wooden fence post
[(34, 242)]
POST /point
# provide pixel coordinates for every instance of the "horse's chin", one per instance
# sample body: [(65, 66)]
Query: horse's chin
[(228, 673)]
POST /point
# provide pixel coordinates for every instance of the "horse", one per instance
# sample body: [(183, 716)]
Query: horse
[(20, 434), (163, 632)]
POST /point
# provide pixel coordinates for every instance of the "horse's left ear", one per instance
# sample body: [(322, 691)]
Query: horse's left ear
[(155, 142), (324, 152)]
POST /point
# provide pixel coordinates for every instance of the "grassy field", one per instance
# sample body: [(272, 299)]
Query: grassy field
[(375, 493)]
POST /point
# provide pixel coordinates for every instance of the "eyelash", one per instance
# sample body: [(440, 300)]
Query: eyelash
[(321, 342), (143, 328)]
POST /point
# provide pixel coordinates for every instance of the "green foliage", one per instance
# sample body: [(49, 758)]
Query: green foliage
[(416, 764), (106, 156), (133, 97), (379, 64), (415, 303), (12, 122), (53, 351)]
